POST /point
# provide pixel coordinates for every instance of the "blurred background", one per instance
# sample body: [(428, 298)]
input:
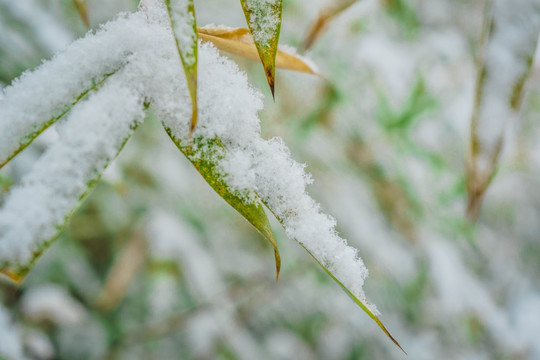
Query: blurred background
[(154, 265)]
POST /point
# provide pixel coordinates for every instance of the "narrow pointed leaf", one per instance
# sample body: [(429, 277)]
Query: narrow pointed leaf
[(59, 83), (36, 130), (238, 41), (263, 18), (504, 68), (358, 302), (184, 26), (82, 9), (252, 210), (96, 131)]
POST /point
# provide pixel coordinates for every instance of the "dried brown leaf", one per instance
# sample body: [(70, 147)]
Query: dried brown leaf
[(239, 41)]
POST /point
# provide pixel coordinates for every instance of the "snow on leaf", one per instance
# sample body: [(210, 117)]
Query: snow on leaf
[(254, 168), (36, 210), (511, 34), (250, 207), (263, 18), (60, 82), (226, 147), (239, 41), (184, 25), (27, 139)]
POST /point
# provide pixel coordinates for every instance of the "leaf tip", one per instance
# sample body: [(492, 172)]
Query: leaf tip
[(278, 263), (270, 76), (381, 325), (15, 277)]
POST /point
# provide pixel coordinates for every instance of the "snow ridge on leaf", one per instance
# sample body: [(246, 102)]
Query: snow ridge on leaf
[(184, 25), (207, 164), (263, 18), (37, 210)]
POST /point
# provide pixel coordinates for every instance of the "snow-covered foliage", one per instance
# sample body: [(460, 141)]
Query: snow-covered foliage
[(122, 62), (384, 135)]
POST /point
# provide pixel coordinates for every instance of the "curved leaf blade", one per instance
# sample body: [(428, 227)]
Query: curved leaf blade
[(37, 130), (238, 41), (95, 133), (184, 26), (498, 83), (347, 291), (207, 166), (263, 18), (357, 301)]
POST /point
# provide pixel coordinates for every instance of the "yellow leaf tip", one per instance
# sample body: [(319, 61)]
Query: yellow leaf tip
[(15, 278)]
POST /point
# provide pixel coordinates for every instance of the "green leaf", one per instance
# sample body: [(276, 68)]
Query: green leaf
[(358, 302), (263, 18), (205, 160), (28, 139), (16, 270), (348, 292), (184, 25)]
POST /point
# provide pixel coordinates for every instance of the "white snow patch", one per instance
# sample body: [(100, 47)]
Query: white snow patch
[(53, 303)]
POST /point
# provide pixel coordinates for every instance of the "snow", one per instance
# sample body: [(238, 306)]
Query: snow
[(86, 62), (10, 341), (39, 345), (228, 112), (52, 302), (264, 20), (97, 128), (94, 133), (183, 23)]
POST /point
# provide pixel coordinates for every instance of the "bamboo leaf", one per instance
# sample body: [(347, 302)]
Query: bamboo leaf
[(184, 25), (263, 18), (37, 130), (82, 9), (206, 162), (95, 133), (348, 292), (358, 302), (500, 85), (239, 41)]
